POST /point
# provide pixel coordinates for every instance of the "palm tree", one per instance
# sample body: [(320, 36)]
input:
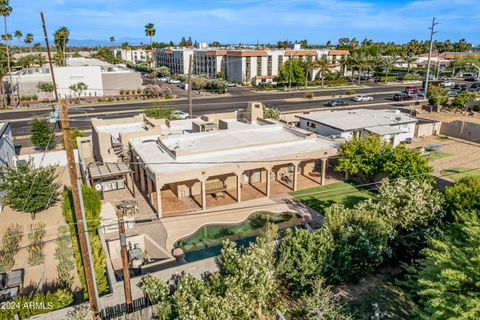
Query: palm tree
[(28, 40), (150, 32), (5, 10), (126, 46), (18, 34), (112, 41), (308, 65), (37, 47), (61, 40), (388, 64), (364, 63), (323, 66)]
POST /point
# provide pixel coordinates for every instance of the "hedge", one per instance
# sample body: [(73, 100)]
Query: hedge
[(92, 205)]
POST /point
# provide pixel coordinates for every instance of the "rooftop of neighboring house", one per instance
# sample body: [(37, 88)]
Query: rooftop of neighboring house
[(347, 120), (255, 142), (450, 54), (250, 52)]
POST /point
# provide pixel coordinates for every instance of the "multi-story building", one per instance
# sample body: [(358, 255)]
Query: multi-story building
[(240, 65), (7, 150), (133, 55)]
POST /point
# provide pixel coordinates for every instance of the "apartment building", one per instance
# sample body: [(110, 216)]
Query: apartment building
[(101, 78), (240, 65), (133, 55)]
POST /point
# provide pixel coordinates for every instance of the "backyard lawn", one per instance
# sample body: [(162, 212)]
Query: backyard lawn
[(320, 198), (437, 154), (460, 172)]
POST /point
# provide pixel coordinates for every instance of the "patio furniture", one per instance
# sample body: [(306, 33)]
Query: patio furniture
[(215, 187), (219, 195), (9, 294), (15, 279)]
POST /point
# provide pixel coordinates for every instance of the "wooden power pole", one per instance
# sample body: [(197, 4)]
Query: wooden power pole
[(122, 207), (72, 172), (190, 105)]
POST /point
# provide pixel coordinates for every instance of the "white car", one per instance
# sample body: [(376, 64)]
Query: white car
[(174, 81), (362, 98), (163, 79), (448, 83), (179, 114), (231, 84)]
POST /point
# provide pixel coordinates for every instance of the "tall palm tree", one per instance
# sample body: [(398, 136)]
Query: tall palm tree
[(28, 40), (323, 66), (150, 32), (37, 47), (61, 39), (5, 10), (3, 73), (308, 65), (18, 34), (364, 63), (388, 64), (112, 41)]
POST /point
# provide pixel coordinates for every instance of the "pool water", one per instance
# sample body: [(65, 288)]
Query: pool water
[(208, 241)]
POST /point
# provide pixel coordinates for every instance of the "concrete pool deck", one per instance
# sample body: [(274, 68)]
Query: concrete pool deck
[(182, 226)]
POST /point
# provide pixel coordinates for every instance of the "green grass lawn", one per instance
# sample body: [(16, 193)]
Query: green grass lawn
[(460, 172), (437, 154), (442, 138), (320, 198)]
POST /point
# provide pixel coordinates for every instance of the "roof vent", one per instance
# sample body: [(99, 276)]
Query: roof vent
[(398, 118)]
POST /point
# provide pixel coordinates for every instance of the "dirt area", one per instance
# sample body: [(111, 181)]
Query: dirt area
[(451, 116), (45, 273), (458, 153)]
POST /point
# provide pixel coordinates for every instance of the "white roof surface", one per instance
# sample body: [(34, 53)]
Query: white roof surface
[(266, 142), (177, 127), (116, 129), (347, 120), (385, 130)]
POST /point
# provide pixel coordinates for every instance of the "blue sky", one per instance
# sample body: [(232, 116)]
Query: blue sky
[(251, 21)]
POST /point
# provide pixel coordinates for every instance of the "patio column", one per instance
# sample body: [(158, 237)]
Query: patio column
[(295, 176), (239, 187), (133, 183), (142, 177), (324, 167), (269, 183), (159, 200), (204, 195), (136, 166), (149, 190)]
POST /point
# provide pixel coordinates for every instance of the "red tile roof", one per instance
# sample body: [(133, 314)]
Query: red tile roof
[(338, 53), (247, 53)]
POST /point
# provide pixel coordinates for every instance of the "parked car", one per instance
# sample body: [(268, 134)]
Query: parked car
[(163, 79), (421, 95), (412, 89), (231, 84), (362, 98), (448, 83), (452, 93), (475, 85), (471, 78), (174, 81), (402, 96), (179, 114), (336, 103)]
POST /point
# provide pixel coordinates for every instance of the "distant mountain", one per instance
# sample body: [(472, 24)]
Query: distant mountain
[(97, 43)]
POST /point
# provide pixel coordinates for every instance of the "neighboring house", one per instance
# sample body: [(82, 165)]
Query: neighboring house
[(101, 78), (241, 65), (391, 125), (133, 55), (7, 150)]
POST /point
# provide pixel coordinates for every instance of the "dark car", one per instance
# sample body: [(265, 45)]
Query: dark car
[(402, 96), (475, 85), (336, 103)]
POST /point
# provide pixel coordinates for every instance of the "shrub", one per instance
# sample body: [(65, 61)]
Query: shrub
[(127, 91), (64, 254), (160, 113), (34, 97), (350, 92), (156, 91), (36, 255), (271, 113), (74, 133), (410, 77), (121, 92), (139, 90), (42, 133), (11, 244), (267, 86), (309, 95)]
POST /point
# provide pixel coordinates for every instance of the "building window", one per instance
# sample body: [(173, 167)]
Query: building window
[(311, 124), (269, 66), (280, 61)]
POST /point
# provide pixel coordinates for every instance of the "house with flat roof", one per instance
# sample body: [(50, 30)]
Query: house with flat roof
[(392, 125), (7, 150)]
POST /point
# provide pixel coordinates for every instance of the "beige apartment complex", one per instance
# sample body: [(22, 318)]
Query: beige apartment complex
[(240, 65), (196, 164)]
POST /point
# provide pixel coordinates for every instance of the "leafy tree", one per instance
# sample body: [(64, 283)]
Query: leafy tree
[(75, 132), (45, 87), (271, 113), (78, 89), (163, 71), (291, 71), (156, 91), (359, 240), (217, 86), (18, 34), (323, 67), (322, 304), (405, 162), (437, 96), (61, 38), (160, 113), (29, 189), (28, 40), (42, 133), (199, 83), (300, 260), (157, 292), (463, 195), (463, 99), (447, 279)]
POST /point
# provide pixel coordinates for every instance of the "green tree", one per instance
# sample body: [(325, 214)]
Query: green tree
[(163, 71), (78, 89), (28, 40), (404, 162), (322, 304), (75, 132), (29, 189), (45, 87), (10, 246), (271, 113), (437, 96), (160, 113), (308, 65), (18, 34), (463, 195), (300, 260), (291, 71), (447, 279), (158, 293), (463, 99), (42, 133), (388, 64), (323, 67), (112, 40), (5, 11), (61, 38), (150, 32)]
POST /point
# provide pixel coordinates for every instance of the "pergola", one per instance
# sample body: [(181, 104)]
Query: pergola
[(110, 171)]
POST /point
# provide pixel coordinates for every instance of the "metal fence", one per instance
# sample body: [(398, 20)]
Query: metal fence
[(142, 308)]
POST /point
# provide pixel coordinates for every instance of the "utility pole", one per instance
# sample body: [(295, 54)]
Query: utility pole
[(50, 63), (290, 74), (72, 173), (122, 207), (190, 105), (432, 32)]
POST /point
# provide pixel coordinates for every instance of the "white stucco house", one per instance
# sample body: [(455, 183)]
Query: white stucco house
[(392, 125), (7, 150)]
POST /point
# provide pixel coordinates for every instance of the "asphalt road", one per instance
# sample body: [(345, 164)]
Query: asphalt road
[(237, 99)]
